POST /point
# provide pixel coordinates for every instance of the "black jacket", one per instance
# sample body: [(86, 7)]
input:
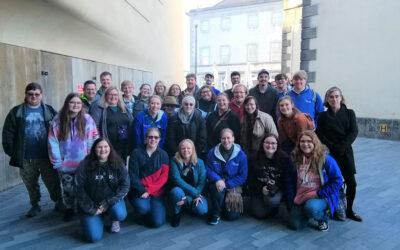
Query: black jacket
[(266, 101), (338, 131), (195, 130), (213, 132), (14, 132), (100, 186)]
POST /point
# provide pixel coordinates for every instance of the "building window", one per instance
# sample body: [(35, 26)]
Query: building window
[(225, 54), (225, 23), (276, 19), (252, 21), (276, 51), (252, 52), (205, 26), (205, 56)]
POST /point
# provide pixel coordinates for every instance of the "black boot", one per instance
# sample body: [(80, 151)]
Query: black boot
[(176, 219), (68, 214)]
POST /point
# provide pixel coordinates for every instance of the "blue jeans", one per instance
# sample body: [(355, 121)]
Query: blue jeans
[(93, 225), (176, 195), (152, 208), (313, 208), (218, 203)]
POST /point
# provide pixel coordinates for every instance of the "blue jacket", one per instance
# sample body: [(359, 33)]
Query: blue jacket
[(199, 176), (308, 101), (143, 121), (331, 182), (234, 172)]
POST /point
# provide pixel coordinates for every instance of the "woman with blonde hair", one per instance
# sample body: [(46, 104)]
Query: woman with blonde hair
[(188, 178), (113, 121), (313, 184), (337, 129), (160, 89)]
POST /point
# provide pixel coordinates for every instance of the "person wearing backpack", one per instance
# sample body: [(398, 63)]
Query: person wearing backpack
[(291, 123), (305, 98)]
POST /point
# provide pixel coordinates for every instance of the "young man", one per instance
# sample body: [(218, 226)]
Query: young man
[(267, 96), (191, 87), (209, 79), (25, 141), (130, 100), (106, 81), (89, 94), (235, 79), (304, 98), (281, 84)]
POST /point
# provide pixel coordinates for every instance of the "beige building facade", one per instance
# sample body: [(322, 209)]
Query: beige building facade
[(61, 44)]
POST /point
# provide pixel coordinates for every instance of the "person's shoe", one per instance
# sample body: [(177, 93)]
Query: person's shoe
[(323, 226), (340, 216), (353, 216), (176, 219), (68, 215), (59, 206), (115, 227), (35, 209), (213, 220)]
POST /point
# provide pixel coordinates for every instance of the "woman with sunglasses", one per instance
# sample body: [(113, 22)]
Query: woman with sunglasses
[(186, 124), (148, 171), (102, 182), (71, 136), (313, 184), (113, 121)]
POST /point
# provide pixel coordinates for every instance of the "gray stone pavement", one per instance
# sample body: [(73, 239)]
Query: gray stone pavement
[(378, 201)]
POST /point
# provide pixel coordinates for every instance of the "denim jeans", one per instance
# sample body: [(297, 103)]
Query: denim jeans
[(93, 225), (313, 208), (152, 208), (176, 195), (262, 206), (218, 207)]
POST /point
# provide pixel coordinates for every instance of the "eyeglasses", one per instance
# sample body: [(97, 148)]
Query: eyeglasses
[(151, 137), (33, 94), (188, 104), (75, 103), (270, 143), (239, 92), (112, 95)]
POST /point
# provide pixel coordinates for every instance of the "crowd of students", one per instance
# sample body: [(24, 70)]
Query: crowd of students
[(197, 150)]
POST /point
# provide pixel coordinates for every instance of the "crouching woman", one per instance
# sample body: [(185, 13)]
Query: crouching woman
[(102, 182), (188, 177), (226, 172), (313, 184)]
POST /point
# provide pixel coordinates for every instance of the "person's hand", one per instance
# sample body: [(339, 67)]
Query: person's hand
[(265, 190), (220, 185), (181, 202), (145, 195), (100, 210), (197, 201)]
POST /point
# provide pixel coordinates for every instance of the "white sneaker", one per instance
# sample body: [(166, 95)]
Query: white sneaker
[(115, 228)]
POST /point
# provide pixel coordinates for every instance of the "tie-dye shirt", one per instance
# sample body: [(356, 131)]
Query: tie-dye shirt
[(66, 155)]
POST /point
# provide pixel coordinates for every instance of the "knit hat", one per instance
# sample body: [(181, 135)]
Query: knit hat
[(170, 100), (189, 99)]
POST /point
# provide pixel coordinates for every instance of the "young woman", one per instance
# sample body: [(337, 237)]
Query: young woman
[(148, 171), (337, 129), (226, 172), (255, 125), (153, 117), (160, 89), (266, 180), (186, 124), (102, 182), (113, 121), (206, 102), (313, 184), (219, 119), (187, 177), (174, 90), (143, 99), (290, 123), (71, 136)]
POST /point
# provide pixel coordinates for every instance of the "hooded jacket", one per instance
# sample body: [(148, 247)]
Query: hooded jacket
[(143, 121), (307, 101), (234, 171), (66, 155)]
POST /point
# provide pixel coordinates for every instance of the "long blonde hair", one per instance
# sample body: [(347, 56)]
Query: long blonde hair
[(120, 104), (193, 158), (317, 156)]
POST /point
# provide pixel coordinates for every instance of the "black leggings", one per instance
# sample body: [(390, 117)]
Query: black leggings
[(351, 185)]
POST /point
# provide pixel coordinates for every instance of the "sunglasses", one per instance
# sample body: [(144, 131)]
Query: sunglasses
[(151, 137), (188, 104)]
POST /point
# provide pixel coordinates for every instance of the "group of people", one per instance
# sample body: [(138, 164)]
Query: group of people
[(199, 150)]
